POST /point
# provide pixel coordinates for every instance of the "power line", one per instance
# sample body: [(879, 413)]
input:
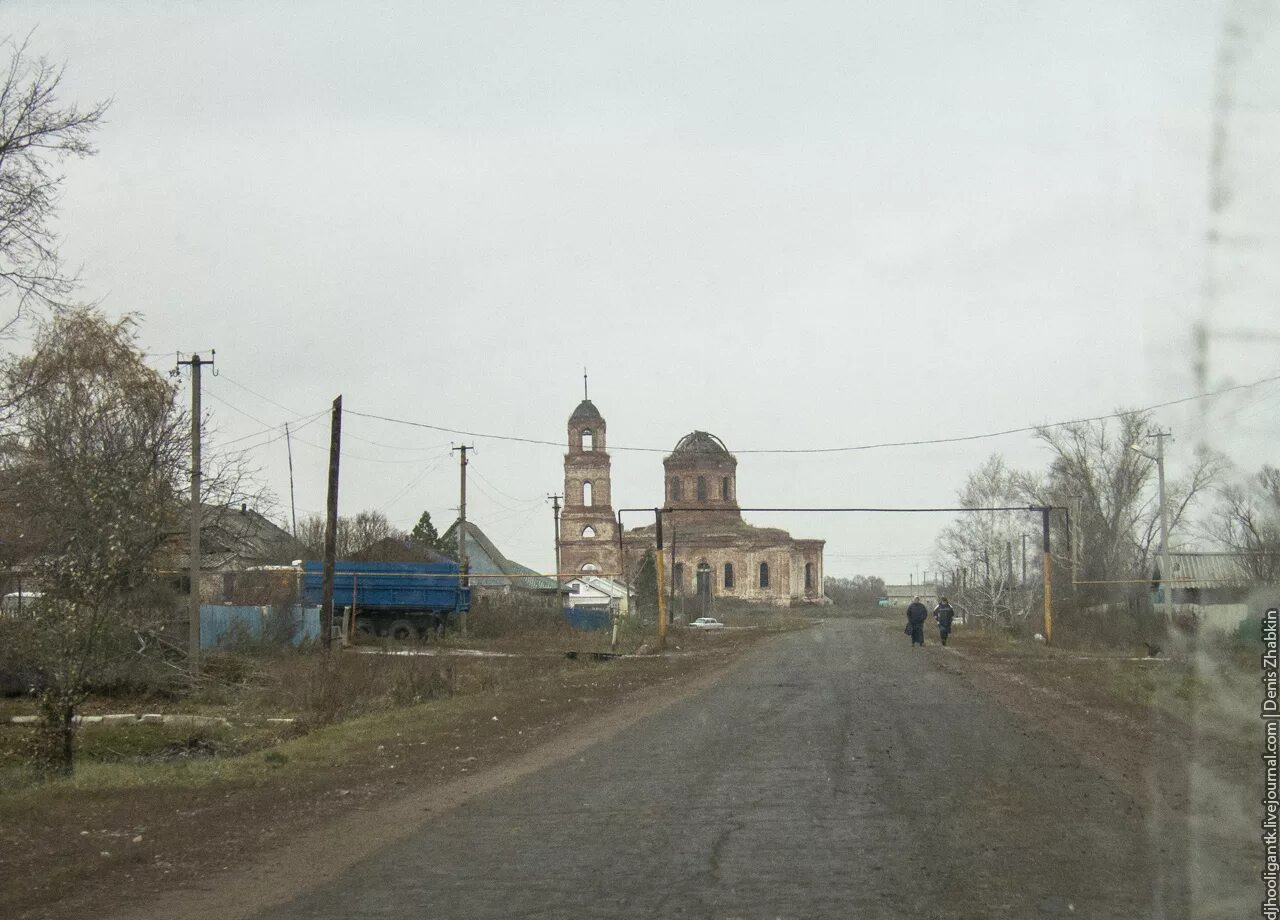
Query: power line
[(1026, 429)]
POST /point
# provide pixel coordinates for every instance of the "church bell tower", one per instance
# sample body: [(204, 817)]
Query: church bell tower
[(588, 528)]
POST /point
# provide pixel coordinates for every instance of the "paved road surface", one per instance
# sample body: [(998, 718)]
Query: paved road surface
[(832, 774)]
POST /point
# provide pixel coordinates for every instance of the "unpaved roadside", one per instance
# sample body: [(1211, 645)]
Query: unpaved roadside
[(1191, 763), (229, 851)]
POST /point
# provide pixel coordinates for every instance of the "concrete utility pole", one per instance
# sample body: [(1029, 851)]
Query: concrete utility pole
[(331, 525), (1166, 573), (462, 521), (555, 513), (193, 608), (293, 507)]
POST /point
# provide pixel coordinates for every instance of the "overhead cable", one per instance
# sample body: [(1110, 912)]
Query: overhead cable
[(921, 442)]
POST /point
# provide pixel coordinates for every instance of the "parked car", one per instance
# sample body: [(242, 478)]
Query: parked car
[(707, 623)]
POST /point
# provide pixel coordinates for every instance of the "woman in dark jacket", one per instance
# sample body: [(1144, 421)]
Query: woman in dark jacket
[(917, 613)]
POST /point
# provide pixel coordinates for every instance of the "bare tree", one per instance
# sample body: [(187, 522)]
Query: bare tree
[(94, 458), (1112, 491), (1246, 521), (355, 535), (37, 132), (977, 542)]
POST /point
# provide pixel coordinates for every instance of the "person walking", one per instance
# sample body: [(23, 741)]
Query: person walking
[(944, 613), (917, 613)]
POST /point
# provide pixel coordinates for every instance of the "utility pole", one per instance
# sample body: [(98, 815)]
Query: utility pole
[(1048, 569), (331, 525), (293, 507), (662, 597), (1166, 573), (1024, 559), (462, 521), (555, 513), (193, 609)]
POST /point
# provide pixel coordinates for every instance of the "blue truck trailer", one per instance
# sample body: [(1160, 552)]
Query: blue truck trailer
[(398, 600)]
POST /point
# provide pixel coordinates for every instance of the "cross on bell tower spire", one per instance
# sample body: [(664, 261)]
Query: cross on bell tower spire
[(584, 384)]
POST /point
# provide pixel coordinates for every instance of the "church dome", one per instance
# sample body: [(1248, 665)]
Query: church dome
[(586, 412), (700, 444)]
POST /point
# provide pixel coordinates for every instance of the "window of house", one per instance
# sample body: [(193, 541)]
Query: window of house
[(702, 488), (764, 574), (724, 488), (588, 532), (588, 439), (676, 491), (728, 576), (586, 494)]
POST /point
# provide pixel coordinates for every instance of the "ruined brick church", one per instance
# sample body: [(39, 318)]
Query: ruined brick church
[(716, 553)]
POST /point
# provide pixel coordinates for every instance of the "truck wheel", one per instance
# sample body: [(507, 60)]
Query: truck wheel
[(403, 631), (365, 628)]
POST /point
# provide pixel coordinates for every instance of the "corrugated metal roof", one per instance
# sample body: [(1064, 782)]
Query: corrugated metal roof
[(1203, 570)]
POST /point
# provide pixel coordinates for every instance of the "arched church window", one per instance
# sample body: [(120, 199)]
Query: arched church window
[(588, 439), (676, 491), (586, 493), (588, 532), (703, 578), (702, 488), (724, 488), (764, 574), (677, 576), (590, 567), (728, 576), (808, 576)]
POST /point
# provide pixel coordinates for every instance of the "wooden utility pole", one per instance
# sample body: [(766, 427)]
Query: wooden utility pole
[(193, 571), (662, 597), (462, 523), (331, 525), (555, 514)]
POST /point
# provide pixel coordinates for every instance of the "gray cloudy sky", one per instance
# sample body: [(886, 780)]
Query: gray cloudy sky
[(791, 224)]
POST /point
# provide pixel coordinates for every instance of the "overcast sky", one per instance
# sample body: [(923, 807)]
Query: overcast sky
[(791, 224)]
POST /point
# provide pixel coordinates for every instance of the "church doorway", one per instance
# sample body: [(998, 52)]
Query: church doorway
[(704, 588)]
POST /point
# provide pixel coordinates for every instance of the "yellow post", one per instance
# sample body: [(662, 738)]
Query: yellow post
[(1048, 567), (662, 594)]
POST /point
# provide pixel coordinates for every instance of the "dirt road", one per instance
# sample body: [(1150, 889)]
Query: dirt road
[(832, 773)]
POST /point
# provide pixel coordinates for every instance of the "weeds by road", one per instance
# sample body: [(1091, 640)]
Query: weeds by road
[(161, 805)]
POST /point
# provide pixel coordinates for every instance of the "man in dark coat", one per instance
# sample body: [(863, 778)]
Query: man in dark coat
[(944, 614), (917, 613)]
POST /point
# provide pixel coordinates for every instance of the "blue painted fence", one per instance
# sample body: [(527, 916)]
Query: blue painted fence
[(224, 625), (587, 618)]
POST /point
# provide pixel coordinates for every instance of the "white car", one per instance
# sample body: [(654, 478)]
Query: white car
[(707, 623)]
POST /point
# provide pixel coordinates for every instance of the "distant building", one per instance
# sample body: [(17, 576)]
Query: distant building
[(231, 541), (597, 593), (901, 595), (716, 553), (493, 573), (1201, 578)]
